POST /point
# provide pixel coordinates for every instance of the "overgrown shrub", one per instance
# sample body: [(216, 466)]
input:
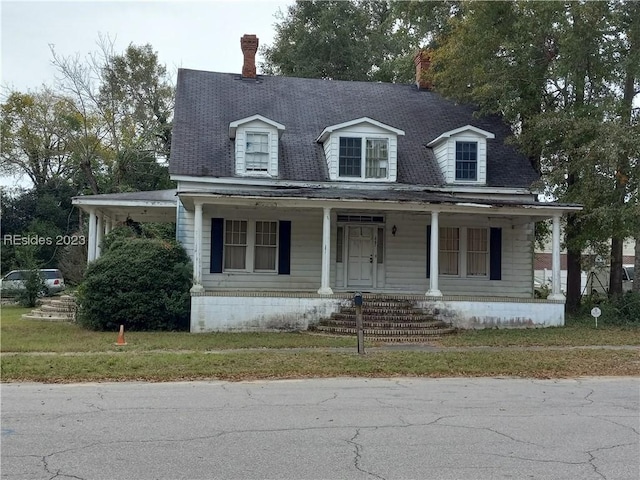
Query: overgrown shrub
[(622, 310), (140, 283), (34, 288)]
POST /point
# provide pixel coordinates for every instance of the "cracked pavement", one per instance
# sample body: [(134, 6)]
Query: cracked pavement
[(345, 428)]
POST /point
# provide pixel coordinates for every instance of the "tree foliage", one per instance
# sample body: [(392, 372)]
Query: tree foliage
[(104, 127), (558, 72)]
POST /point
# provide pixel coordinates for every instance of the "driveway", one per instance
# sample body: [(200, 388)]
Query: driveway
[(324, 428)]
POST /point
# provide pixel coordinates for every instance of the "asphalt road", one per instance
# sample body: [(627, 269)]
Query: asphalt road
[(326, 428)]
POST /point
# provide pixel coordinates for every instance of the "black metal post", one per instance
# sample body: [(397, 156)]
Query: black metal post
[(357, 300)]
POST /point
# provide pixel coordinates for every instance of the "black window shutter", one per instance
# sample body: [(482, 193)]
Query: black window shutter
[(428, 251), (495, 254), (284, 248), (217, 244)]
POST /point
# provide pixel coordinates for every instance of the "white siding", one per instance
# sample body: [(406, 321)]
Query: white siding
[(406, 259), (404, 268), (306, 251)]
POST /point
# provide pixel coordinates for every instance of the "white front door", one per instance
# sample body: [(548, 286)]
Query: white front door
[(360, 257)]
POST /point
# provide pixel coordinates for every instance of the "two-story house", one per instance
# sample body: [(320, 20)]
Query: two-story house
[(293, 193)]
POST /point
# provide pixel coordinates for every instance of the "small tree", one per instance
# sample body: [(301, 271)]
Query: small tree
[(140, 283)]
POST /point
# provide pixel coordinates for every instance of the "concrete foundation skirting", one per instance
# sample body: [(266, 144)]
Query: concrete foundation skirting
[(246, 312), (474, 314)]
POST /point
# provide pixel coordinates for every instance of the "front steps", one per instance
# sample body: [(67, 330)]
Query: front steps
[(54, 309), (387, 320)]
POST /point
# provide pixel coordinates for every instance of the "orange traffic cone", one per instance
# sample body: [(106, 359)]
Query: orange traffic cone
[(121, 341)]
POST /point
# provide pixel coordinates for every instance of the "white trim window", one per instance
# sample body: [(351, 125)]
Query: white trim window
[(449, 256), (477, 252), (250, 246), (257, 152), (361, 157), (266, 247), (464, 251), (467, 161), (235, 245)]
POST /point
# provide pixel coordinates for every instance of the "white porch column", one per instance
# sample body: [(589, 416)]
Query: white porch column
[(197, 250), (325, 289), (434, 254), (91, 247), (99, 234), (107, 226), (556, 282)]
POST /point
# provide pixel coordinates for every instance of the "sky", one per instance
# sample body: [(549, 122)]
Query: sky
[(202, 35)]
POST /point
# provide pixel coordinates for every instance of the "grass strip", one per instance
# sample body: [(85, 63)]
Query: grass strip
[(20, 335), (235, 366)]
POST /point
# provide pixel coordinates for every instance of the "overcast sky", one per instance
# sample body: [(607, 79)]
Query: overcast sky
[(201, 35)]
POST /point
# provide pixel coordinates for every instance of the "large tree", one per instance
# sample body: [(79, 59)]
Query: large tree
[(340, 40), (33, 140), (368, 40), (550, 69)]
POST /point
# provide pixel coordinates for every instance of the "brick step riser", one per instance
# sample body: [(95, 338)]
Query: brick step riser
[(383, 311), (366, 304), (417, 318), (403, 339), (387, 332), (385, 325)]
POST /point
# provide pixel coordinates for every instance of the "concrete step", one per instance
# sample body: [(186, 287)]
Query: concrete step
[(47, 318), (54, 309), (58, 307)]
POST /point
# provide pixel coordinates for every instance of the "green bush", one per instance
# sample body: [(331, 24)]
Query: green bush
[(34, 288), (622, 310), (140, 283)]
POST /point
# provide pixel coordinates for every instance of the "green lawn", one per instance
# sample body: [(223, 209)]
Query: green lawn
[(62, 352), (577, 332), (40, 336)]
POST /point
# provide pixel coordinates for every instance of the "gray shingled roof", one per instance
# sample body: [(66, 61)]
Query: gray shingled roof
[(206, 102)]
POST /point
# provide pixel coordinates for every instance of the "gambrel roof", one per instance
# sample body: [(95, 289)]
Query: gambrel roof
[(208, 102)]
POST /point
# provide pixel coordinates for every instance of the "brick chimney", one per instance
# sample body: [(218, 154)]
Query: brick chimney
[(249, 45), (422, 61)]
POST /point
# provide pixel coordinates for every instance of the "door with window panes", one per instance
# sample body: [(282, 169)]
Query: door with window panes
[(360, 255)]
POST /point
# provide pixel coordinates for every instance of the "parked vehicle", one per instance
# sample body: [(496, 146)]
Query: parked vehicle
[(598, 280), (14, 281)]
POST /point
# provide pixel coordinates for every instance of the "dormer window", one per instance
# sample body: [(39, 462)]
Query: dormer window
[(256, 146), (257, 152), (467, 161), (363, 155), (462, 154), (361, 150)]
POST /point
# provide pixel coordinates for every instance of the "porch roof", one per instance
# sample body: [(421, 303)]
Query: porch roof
[(378, 199), (147, 206)]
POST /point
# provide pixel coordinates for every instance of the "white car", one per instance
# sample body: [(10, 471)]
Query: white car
[(14, 281)]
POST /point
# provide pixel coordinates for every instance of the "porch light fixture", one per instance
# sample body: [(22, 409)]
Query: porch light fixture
[(394, 229)]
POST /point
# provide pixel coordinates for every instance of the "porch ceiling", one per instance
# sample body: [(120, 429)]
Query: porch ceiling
[(376, 199), (150, 206)]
